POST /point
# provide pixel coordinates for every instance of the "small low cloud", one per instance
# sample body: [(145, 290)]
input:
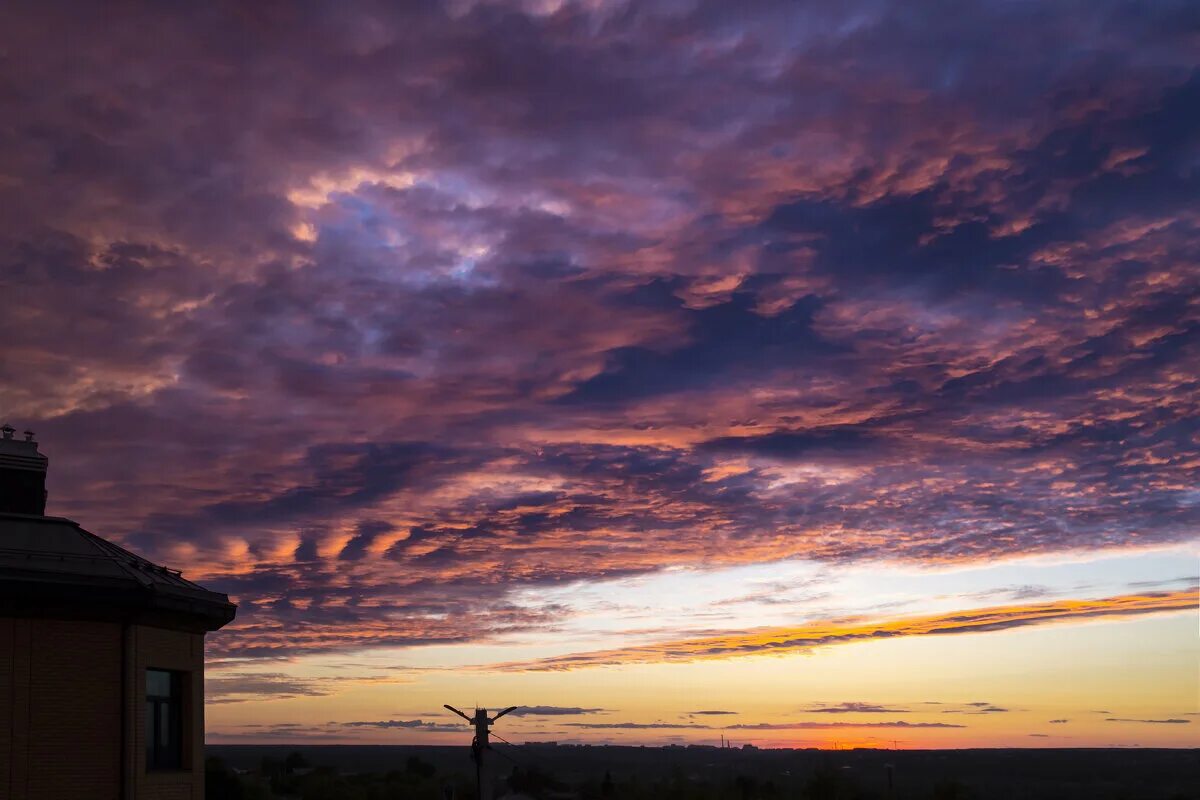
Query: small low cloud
[(405, 724), (1059, 721), (1189, 580), (976, 708), (633, 726), (812, 724), (757, 726), (1040, 735), (1171, 721), (555, 711), (243, 687), (855, 708), (710, 713), (291, 731)]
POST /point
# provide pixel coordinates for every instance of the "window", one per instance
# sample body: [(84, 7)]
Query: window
[(164, 719)]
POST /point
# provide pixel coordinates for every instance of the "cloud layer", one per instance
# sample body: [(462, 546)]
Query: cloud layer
[(369, 317)]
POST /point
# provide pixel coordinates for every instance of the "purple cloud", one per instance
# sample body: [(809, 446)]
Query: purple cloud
[(448, 299)]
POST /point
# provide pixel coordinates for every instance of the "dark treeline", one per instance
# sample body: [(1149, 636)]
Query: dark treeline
[(701, 773), (296, 777)]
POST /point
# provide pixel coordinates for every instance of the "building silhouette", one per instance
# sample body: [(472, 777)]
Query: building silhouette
[(101, 656)]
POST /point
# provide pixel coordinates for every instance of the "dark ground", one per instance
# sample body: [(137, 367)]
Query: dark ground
[(706, 772)]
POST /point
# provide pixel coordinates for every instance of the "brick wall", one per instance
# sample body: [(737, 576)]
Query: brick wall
[(14, 679), (60, 696), (60, 685), (156, 648)]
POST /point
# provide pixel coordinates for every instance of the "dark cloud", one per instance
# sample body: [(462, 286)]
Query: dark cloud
[(728, 341), (976, 708), (554, 711), (235, 687), (406, 724), (1171, 721), (855, 708), (635, 726), (355, 549), (286, 731), (783, 726), (757, 726)]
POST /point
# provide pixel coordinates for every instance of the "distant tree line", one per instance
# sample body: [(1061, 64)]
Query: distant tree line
[(295, 778)]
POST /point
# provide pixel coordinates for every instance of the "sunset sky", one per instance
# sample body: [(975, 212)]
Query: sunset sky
[(804, 373)]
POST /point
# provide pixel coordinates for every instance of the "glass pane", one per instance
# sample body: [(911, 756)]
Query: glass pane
[(164, 719), (158, 683), (164, 726)]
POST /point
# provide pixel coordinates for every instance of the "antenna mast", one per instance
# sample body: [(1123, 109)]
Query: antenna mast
[(481, 749)]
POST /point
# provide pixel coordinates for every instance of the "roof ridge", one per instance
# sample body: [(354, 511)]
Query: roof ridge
[(140, 562), (102, 545)]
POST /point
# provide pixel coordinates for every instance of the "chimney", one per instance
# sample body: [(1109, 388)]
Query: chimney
[(22, 474)]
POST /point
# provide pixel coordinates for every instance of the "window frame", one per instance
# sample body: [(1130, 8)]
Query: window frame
[(165, 754)]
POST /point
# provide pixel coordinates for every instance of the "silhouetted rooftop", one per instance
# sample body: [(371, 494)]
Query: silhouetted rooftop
[(22, 474), (51, 564)]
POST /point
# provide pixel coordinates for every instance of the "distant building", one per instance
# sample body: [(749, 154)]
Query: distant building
[(101, 656)]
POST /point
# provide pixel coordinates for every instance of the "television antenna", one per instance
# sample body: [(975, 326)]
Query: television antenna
[(481, 748)]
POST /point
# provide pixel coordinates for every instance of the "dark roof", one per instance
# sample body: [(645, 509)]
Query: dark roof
[(52, 565)]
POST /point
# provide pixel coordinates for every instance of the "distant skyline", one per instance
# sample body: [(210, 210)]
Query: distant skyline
[(805, 374)]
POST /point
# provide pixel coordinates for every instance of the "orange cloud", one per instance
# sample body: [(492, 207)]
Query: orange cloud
[(820, 634)]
